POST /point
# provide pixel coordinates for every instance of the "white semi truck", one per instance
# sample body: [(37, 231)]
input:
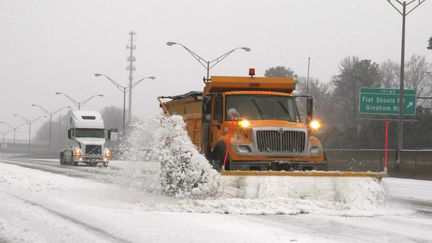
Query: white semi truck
[(87, 138)]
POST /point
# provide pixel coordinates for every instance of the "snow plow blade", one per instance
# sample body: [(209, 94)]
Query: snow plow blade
[(378, 175)]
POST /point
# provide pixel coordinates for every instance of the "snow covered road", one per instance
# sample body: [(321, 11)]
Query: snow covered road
[(43, 202)]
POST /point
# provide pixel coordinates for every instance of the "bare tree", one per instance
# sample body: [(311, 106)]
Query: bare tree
[(417, 76), (389, 72), (353, 74)]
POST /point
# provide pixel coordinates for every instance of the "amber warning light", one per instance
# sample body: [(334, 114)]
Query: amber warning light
[(251, 72)]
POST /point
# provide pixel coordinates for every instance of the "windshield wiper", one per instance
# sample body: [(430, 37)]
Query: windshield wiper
[(258, 108), (285, 109)]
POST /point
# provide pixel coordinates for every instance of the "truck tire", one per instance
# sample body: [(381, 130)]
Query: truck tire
[(71, 161), (218, 157), (216, 161)]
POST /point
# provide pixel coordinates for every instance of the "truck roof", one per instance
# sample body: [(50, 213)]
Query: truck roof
[(231, 83), (85, 119)]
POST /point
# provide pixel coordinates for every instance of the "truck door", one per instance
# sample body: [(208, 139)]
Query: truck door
[(217, 120)]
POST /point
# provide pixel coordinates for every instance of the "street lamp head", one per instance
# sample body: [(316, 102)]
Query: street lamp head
[(34, 105), (100, 95), (97, 74), (152, 77), (170, 43), (57, 93), (246, 49)]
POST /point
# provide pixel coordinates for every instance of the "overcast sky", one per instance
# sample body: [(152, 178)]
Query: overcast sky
[(52, 45)]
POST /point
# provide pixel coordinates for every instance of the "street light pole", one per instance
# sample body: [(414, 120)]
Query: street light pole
[(307, 79), (3, 143), (124, 90), (4, 133), (14, 132), (50, 114), (76, 103), (29, 122), (205, 63), (14, 151), (404, 13)]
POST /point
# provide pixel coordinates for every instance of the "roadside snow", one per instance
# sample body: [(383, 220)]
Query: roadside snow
[(39, 206), (187, 175), (184, 172), (165, 191)]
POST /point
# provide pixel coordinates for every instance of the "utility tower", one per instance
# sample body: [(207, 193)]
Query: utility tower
[(131, 59)]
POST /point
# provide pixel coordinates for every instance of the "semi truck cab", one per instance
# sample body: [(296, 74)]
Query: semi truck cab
[(87, 138)]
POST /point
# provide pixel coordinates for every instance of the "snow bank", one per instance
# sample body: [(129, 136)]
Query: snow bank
[(186, 174)]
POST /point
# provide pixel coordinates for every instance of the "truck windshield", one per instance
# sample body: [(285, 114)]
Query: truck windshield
[(263, 107), (89, 133)]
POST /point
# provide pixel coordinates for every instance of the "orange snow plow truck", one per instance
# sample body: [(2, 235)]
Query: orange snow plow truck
[(252, 126)]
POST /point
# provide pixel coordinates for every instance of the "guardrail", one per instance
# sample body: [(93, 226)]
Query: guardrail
[(415, 163)]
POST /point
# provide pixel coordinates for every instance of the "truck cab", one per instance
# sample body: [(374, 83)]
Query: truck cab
[(87, 138), (256, 119)]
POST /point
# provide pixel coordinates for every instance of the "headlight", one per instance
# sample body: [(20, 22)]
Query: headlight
[(77, 152), (315, 124), (107, 153), (243, 123)]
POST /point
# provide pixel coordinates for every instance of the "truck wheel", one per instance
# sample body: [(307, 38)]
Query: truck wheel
[(71, 162), (218, 159), (62, 158)]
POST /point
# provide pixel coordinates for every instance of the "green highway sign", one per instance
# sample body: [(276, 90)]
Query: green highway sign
[(386, 101)]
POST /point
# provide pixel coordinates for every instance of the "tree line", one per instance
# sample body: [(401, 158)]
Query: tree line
[(336, 103)]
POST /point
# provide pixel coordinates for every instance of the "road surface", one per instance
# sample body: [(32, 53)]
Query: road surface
[(42, 201)]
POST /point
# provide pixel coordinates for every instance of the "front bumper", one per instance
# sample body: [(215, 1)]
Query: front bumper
[(91, 158), (277, 165)]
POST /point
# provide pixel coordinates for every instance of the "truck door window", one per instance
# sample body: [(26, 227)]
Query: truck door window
[(218, 109)]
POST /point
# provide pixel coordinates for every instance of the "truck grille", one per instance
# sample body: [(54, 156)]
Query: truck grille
[(281, 141), (93, 149)]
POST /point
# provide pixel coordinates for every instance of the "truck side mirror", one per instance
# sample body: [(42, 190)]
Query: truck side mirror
[(309, 108)]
